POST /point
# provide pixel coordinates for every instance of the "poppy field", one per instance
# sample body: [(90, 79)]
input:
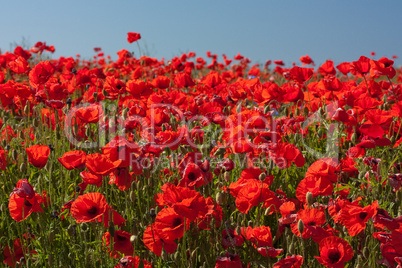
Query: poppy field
[(198, 161)]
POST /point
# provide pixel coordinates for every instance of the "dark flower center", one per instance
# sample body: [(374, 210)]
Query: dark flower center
[(177, 222), (121, 238), (92, 210), (334, 256), (26, 203), (312, 223), (362, 215), (191, 176)]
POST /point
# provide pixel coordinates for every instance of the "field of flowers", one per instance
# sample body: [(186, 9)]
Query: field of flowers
[(198, 162)]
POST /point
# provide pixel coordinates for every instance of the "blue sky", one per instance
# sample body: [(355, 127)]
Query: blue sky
[(260, 30)]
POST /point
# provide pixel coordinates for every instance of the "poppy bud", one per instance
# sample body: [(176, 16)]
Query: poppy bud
[(309, 199), (291, 248), (399, 195), (251, 224), (84, 227), (353, 137), (220, 198), (193, 254), (164, 255), (14, 154), (139, 185), (267, 211), (111, 229), (300, 226), (26, 108), (266, 109), (73, 71), (132, 196), (226, 176), (104, 92), (88, 132), (238, 230), (393, 139), (23, 167), (133, 239), (238, 108), (152, 213), (291, 115), (95, 94), (262, 176), (366, 253), (71, 230)]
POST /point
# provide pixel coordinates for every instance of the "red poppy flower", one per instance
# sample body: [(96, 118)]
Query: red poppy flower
[(90, 178), (344, 67), (229, 261), (3, 159), (294, 261), (73, 160), (18, 251), (121, 243), (334, 252), (194, 176), (317, 186), (355, 217), (132, 262), (90, 114), (170, 225), (382, 67), (312, 219), (138, 88), (122, 178), (132, 37), (100, 164), (306, 60), (300, 74), (19, 65), (186, 202), (40, 73), (360, 67), (183, 80), (214, 212), (21, 207), (231, 239), (89, 207), (120, 149), (155, 243), (252, 194), (38, 155)]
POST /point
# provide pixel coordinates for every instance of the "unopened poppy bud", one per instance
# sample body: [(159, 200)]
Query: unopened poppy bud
[(366, 253), (393, 139), (266, 109), (399, 195), (88, 132), (353, 138), (152, 213), (267, 211), (164, 255), (132, 196), (26, 108), (220, 151), (309, 199), (262, 176), (291, 248), (14, 154), (238, 230), (84, 227), (226, 176), (163, 127), (104, 92), (251, 224), (300, 227), (139, 185), (306, 111), (95, 94), (73, 71), (238, 108), (71, 229), (133, 239), (220, 198), (291, 115), (194, 253), (111, 229)]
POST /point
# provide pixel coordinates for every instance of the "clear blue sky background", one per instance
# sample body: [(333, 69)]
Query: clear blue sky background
[(260, 30)]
